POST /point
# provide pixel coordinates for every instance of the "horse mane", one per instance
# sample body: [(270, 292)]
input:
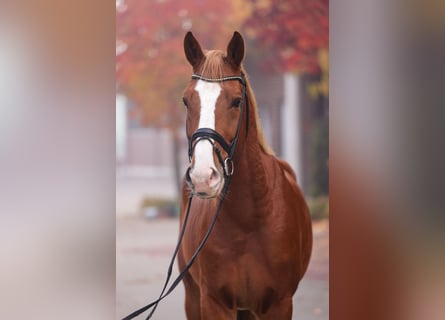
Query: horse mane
[(212, 67)]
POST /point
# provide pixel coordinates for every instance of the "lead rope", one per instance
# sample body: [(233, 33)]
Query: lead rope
[(178, 279), (170, 267)]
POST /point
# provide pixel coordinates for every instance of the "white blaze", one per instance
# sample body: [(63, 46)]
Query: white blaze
[(208, 94)]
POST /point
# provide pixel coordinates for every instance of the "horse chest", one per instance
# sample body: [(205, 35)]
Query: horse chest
[(238, 270), (250, 258)]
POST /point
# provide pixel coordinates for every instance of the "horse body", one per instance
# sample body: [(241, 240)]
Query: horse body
[(260, 246)]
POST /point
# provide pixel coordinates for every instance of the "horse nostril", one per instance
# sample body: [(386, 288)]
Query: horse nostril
[(214, 177)]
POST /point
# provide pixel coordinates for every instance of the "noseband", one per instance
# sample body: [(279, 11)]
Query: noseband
[(212, 136)]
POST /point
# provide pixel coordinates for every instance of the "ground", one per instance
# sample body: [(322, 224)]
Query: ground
[(143, 251)]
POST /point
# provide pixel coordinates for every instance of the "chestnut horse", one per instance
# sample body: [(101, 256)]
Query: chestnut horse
[(261, 244)]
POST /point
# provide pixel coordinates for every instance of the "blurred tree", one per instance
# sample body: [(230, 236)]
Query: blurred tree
[(151, 69), (293, 36), (291, 31)]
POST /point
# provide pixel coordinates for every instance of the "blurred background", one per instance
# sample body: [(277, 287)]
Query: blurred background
[(287, 60), (60, 241)]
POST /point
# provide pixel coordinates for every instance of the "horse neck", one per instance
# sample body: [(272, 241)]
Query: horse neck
[(250, 180)]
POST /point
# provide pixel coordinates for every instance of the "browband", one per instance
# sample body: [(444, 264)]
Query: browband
[(197, 76)]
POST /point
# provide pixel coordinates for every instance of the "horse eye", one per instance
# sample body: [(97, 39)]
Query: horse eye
[(236, 102), (184, 101)]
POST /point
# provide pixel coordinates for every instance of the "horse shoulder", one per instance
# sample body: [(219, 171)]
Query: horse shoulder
[(302, 219)]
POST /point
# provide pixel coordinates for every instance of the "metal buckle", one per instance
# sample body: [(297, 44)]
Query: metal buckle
[(227, 165)]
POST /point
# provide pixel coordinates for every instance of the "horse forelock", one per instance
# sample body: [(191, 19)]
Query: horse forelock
[(213, 67)]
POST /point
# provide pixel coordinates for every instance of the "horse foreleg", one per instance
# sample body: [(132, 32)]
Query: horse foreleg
[(212, 309), (192, 293), (278, 310), (192, 299)]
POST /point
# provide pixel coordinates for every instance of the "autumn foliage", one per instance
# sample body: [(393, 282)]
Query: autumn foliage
[(290, 33), (151, 69)]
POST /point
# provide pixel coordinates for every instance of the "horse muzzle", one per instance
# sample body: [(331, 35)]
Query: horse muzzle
[(205, 183)]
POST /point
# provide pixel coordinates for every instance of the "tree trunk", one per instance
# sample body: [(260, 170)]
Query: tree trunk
[(177, 174)]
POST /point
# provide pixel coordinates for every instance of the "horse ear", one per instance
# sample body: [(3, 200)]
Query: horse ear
[(235, 49), (192, 49)]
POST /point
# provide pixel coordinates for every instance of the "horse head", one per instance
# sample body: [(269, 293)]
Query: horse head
[(214, 99)]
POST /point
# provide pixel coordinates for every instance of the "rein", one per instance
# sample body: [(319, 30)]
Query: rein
[(228, 167)]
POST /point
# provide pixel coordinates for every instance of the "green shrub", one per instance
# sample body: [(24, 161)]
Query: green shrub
[(319, 207), (159, 207)]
